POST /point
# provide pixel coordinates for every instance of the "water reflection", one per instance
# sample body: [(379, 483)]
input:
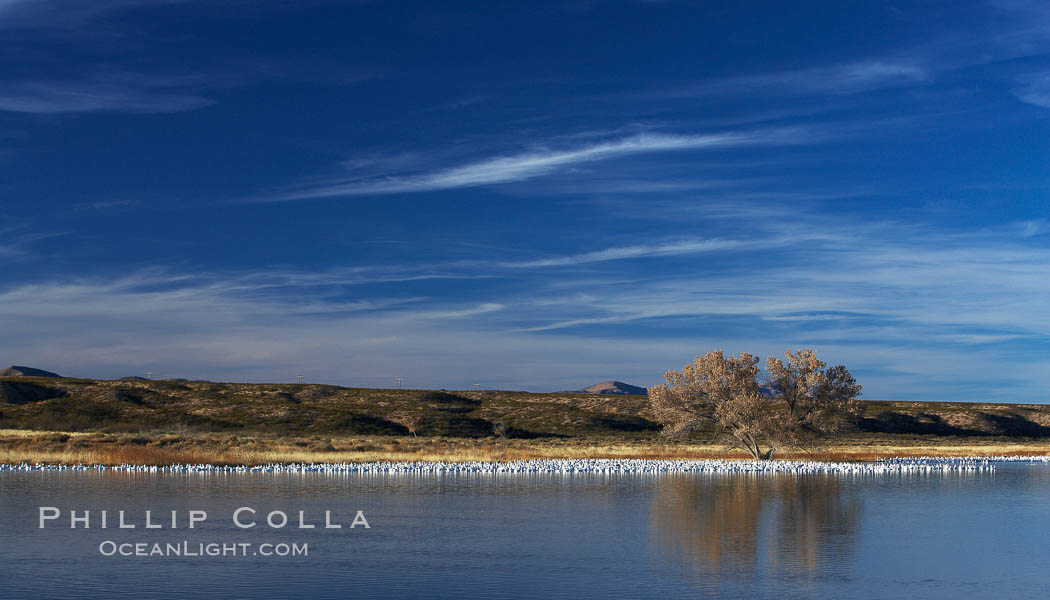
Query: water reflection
[(740, 524)]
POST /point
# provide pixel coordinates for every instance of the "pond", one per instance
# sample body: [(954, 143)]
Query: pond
[(580, 535)]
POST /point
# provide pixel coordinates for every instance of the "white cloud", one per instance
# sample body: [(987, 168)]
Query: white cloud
[(911, 280), (16, 243), (179, 327), (1035, 90), (842, 79), (537, 163), (124, 93), (849, 78), (1033, 227), (678, 248), (483, 308), (68, 15), (924, 307), (902, 304)]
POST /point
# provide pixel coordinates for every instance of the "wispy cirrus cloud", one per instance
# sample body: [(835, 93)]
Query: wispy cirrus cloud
[(1033, 227), (481, 309), (128, 93), (894, 278), (16, 242), (1021, 30), (892, 307), (537, 163), (106, 205), (849, 78), (102, 72), (881, 297), (38, 14), (674, 248), (80, 19), (1034, 89)]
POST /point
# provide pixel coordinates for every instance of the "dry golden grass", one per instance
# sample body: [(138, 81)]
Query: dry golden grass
[(31, 434), (115, 455), (18, 446)]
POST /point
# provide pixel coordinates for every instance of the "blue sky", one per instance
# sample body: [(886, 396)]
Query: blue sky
[(527, 195)]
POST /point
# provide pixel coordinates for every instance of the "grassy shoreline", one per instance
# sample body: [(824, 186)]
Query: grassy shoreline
[(70, 448)]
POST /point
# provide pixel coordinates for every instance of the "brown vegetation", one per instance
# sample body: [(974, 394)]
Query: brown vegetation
[(722, 393), (161, 422)]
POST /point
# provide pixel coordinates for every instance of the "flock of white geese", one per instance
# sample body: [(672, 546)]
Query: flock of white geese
[(920, 465)]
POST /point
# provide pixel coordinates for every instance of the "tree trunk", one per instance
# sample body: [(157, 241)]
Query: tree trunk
[(753, 448), (748, 443)]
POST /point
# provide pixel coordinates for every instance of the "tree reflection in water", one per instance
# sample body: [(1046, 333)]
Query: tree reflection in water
[(793, 525)]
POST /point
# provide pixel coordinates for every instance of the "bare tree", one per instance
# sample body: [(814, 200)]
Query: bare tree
[(718, 391), (407, 420), (500, 430), (819, 400), (722, 393)]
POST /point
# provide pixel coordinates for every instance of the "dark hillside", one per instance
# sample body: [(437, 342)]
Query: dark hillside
[(291, 409)]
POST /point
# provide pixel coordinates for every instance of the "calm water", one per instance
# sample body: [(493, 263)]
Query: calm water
[(578, 536)]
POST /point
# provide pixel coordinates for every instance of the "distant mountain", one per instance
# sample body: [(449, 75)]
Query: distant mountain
[(619, 387), (614, 387), (16, 371), (133, 378)]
